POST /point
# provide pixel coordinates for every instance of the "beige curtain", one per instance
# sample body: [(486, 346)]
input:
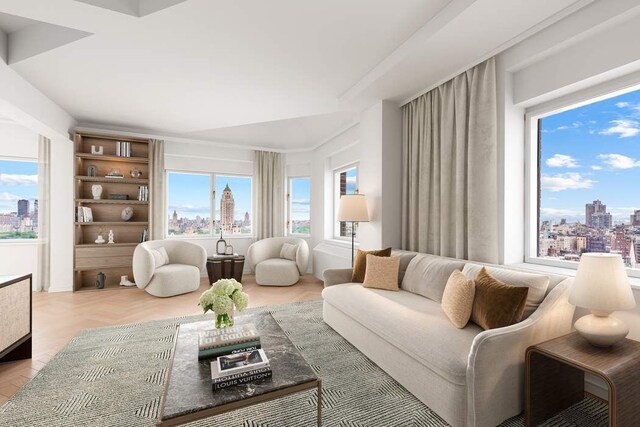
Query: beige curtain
[(44, 213), (268, 180), (157, 189), (450, 168)]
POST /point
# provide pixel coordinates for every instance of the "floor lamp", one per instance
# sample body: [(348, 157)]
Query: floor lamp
[(353, 209)]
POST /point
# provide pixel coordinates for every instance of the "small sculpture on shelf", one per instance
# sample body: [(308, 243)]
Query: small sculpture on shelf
[(92, 170), (100, 279), (124, 281), (127, 213), (96, 191), (99, 150), (110, 237), (136, 173), (221, 245), (100, 240)]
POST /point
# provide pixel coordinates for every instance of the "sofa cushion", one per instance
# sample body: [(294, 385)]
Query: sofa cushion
[(288, 251), (360, 263), (405, 259), (497, 304), (457, 300), (174, 279), (277, 272), (415, 325), (427, 275), (537, 283), (382, 272), (160, 257)]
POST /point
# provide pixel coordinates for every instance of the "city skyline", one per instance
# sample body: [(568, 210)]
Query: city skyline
[(589, 153), (18, 180)]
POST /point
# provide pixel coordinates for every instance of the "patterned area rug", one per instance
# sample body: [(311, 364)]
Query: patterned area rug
[(114, 377)]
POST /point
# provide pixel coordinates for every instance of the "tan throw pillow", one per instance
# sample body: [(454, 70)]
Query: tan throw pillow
[(497, 304), (457, 300), (289, 251), (360, 263), (382, 272)]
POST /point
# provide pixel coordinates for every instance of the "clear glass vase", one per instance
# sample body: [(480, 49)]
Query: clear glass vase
[(224, 320)]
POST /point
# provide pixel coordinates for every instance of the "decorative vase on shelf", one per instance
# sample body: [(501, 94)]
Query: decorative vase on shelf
[(96, 191)]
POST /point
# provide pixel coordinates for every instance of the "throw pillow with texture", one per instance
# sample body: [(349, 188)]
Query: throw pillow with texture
[(160, 257), (360, 263), (457, 300), (382, 272), (497, 304), (289, 251)]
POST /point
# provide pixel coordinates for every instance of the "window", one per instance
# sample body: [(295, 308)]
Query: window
[(18, 199), (299, 202), (588, 169), (192, 203), (233, 205), (345, 182)]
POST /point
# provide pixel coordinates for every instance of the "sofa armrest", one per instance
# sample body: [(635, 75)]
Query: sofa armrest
[(495, 370), (187, 253), (143, 266), (336, 276)]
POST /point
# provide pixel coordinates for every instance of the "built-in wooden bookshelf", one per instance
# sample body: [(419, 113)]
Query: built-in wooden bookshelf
[(115, 259)]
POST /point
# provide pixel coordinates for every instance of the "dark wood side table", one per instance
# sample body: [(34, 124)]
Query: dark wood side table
[(554, 377), (225, 267)]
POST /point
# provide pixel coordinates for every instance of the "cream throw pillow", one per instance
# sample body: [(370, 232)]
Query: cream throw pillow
[(160, 257), (382, 272), (289, 251), (457, 300)]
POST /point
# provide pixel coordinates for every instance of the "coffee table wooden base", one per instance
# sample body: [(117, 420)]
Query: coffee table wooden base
[(248, 402)]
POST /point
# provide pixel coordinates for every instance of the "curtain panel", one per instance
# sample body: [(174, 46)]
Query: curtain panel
[(44, 213), (269, 194), (450, 168), (158, 208)]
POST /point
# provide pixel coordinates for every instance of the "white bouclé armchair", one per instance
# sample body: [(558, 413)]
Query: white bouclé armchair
[(181, 274), (270, 268)]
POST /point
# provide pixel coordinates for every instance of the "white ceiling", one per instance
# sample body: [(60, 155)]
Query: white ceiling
[(284, 74)]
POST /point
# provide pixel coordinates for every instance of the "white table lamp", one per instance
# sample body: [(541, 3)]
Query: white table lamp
[(353, 208), (602, 286)]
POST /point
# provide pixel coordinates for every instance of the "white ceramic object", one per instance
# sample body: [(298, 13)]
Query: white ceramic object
[(96, 191), (601, 329), (100, 240), (127, 213), (111, 236)]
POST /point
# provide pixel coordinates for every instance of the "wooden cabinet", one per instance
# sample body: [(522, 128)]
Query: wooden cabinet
[(15, 318), (132, 190)]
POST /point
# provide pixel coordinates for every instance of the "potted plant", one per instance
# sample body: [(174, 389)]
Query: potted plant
[(223, 296)]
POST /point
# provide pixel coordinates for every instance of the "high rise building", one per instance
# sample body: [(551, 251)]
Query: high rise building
[(227, 208), (247, 220), (593, 208), (601, 220), (23, 208), (596, 244), (635, 217)]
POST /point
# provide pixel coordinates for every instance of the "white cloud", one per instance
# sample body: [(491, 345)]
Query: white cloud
[(565, 181), (622, 104), (15, 179), (4, 196), (561, 212), (573, 125), (624, 128), (596, 168), (561, 161), (618, 161)]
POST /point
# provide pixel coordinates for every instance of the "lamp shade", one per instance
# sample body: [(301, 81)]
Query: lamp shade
[(353, 207), (602, 284)]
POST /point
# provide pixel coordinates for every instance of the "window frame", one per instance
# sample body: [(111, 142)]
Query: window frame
[(23, 241), (336, 197), (212, 205), (532, 153), (289, 221)]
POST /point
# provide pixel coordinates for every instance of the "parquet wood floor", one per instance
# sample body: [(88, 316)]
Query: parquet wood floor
[(58, 317)]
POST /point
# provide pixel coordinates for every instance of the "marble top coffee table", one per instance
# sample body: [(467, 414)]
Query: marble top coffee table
[(188, 395)]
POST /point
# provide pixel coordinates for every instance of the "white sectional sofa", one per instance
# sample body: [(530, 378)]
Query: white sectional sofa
[(469, 377)]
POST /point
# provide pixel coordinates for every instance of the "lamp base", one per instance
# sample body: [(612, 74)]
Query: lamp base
[(601, 329)]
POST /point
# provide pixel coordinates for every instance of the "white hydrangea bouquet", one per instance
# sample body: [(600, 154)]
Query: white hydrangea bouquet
[(221, 298)]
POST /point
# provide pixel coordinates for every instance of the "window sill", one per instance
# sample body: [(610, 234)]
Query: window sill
[(566, 271), (14, 242), (182, 237)]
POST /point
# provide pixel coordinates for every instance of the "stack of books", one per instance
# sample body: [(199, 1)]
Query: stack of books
[(123, 149), (237, 355), (84, 214), (143, 193), (239, 368), (116, 175)]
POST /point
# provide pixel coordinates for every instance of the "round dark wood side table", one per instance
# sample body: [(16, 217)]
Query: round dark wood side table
[(225, 267)]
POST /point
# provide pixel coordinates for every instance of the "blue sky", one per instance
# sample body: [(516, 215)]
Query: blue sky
[(189, 194), (588, 153), (18, 180), (300, 198)]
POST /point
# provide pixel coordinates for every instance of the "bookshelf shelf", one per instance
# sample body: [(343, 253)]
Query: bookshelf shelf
[(115, 259)]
